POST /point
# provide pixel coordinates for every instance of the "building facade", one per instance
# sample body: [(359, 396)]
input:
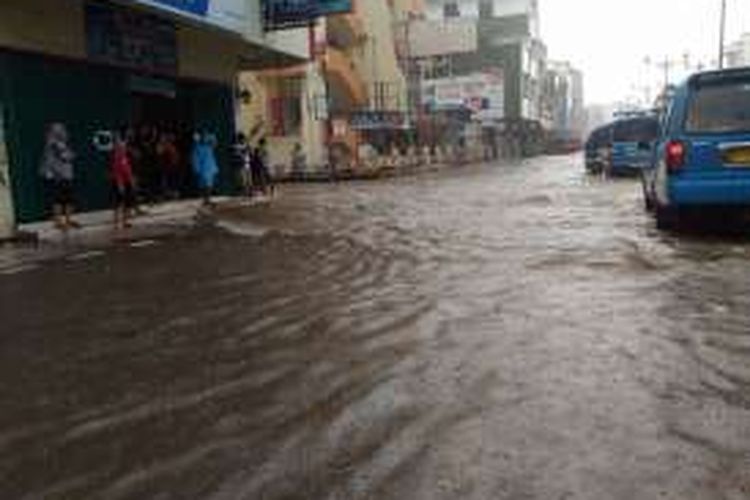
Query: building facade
[(336, 107), (737, 54), (508, 43), (563, 97), (97, 65)]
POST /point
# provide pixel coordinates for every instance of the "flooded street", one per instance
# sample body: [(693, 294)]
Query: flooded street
[(498, 332)]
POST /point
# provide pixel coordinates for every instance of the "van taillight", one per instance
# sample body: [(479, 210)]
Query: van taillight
[(675, 155)]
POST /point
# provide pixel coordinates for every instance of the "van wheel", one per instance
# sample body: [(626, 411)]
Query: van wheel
[(648, 200)]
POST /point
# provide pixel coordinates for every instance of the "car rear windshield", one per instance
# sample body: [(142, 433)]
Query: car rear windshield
[(719, 107), (640, 130)]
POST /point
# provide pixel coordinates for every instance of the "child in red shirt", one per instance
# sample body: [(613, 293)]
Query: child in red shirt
[(123, 182)]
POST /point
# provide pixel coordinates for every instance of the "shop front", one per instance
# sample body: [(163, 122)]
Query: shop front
[(123, 66)]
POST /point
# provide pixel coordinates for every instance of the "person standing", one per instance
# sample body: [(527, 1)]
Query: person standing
[(151, 175), (123, 182), (169, 161), (57, 172), (298, 161), (204, 165), (259, 165), (241, 163)]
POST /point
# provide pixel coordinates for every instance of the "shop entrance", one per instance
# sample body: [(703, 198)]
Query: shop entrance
[(155, 111)]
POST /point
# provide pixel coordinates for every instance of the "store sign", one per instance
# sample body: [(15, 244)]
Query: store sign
[(482, 94), (429, 38), (378, 120), (134, 39), (281, 14)]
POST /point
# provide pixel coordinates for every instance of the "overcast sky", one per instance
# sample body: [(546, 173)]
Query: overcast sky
[(609, 39)]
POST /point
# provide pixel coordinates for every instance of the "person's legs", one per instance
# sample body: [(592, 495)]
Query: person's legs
[(247, 182), (64, 205), (119, 217), (68, 216), (206, 190), (268, 182), (57, 216)]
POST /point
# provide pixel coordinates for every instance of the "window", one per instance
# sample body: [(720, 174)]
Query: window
[(451, 9), (719, 107), (486, 9), (286, 107), (639, 130)]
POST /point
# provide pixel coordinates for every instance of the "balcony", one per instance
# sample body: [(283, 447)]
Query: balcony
[(343, 75), (347, 29)]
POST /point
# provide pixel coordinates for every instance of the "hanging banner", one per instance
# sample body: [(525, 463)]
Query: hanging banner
[(378, 120), (482, 94), (284, 14)]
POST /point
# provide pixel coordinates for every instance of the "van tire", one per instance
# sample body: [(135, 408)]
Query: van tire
[(648, 200)]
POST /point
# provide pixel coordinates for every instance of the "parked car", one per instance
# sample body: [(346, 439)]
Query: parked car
[(597, 149), (702, 156), (632, 145)]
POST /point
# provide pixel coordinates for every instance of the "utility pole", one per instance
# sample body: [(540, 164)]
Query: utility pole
[(722, 30)]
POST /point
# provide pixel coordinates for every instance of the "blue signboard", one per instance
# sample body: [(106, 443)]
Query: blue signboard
[(278, 14), (197, 7)]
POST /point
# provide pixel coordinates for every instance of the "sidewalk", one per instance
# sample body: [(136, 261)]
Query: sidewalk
[(93, 224), (42, 241)]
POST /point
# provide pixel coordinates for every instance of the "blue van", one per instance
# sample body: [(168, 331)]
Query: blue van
[(597, 149), (702, 157), (632, 144)]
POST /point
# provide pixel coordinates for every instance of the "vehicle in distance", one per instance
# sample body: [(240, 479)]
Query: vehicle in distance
[(597, 149), (632, 144)]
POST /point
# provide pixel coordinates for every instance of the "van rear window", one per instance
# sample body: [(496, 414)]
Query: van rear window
[(637, 130), (717, 108)]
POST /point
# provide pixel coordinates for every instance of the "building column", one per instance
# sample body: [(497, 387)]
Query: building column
[(7, 215)]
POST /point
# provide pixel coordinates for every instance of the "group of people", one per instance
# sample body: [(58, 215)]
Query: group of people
[(160, 173), (147, 166), (251, 164)]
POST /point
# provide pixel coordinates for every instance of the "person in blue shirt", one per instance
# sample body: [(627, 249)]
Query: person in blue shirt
[(204, 164)]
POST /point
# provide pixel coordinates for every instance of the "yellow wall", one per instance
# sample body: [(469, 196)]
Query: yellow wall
[(48, 26), (404, 7), (377, 61), (312, 131)]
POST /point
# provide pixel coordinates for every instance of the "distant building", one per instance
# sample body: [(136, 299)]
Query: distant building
[(351, 93), (598, 115), (563, 98), (508, 43), (737, 54)]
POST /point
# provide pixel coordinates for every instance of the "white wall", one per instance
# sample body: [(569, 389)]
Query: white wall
[(451, 36), (738, 53), (470, 8)]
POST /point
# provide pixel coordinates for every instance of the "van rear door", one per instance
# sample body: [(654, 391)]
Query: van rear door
[(717, 125)]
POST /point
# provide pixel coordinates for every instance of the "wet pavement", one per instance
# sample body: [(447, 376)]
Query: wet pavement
[(499, 332)]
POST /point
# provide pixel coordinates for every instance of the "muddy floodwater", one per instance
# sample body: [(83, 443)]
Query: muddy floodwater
[(516, 331)]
